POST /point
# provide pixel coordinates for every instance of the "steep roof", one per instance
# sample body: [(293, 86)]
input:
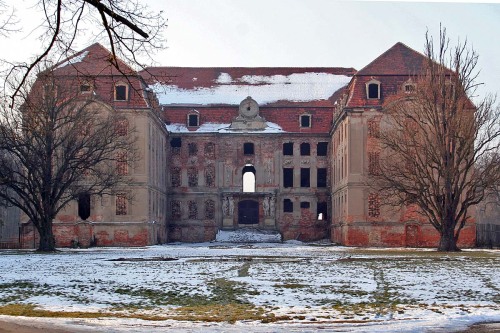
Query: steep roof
[(314, 86), (398, 60), (92, 61)]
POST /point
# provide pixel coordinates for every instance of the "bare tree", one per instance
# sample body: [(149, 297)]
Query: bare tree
[(441, 151), (57, 147), (132, 31)]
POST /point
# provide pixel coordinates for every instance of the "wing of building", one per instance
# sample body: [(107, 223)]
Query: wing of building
[(281, 149)]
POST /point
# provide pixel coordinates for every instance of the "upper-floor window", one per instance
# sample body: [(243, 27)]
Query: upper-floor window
[(193, 120), (409, 88), (305, 120), (288, 148), (248, 148), (305, 149), (121, 92), (85, 88), (322, 148), (373, 89)]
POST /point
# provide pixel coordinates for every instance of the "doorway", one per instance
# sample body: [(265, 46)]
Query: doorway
[(248, 212)]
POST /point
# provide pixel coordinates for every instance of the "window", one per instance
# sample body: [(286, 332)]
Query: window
[(121, 92), (287, 177), (305, 177), (193, 120), (305, 205), (305, 149), (84, 206), (248, 178), (321, 181), (288, 148), (409, 88), (121, 204), (321, 210), (175, 145), (287, 206), (373, 89), (305, 120), (322, 148), (85, 88), (248, 148)]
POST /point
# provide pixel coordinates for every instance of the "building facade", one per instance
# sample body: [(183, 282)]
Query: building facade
[(282, 149)]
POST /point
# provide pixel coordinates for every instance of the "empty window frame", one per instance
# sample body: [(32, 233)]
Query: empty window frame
[(248, 148), (305, 149), (288, 149), (287, 177), (84, 206), (321, 210), (409, 88), (305, 205), (85, 88), (321, 177), (322, 148), (175, 145), (193, 120), (305, 120), (373, 89), (287, 206), (121, 92), (249, 179), (305, 177), (121, 204)]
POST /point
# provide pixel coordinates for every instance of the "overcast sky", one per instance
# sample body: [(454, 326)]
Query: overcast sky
[(302, 33)]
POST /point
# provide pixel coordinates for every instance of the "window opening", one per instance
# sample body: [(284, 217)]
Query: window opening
[(409, 88), (84, 206), (305, 177), (120, 92), (248, 148), (305, 149), (121, 204), (193, 120), (248, 178), (192, 149), (305, 205), (287, 177), (321, 181), (85, 88), (321, 210), (287, 206), (322, 148), (374, 91), (288, 148), (305, 120)]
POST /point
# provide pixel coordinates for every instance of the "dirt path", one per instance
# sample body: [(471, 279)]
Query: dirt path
[(24, 327), (483, 328)]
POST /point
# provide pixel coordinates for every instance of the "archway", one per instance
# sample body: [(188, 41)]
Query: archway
[(248, 174)]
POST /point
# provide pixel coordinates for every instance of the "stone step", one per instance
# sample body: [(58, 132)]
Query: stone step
[(248, 235)]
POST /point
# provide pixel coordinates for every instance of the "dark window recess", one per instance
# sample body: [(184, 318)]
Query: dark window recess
[(288, 148), (322, 148), (305, 121), (248, 148), (287, 206), (176, 142), (305, 177), (373, 90), (287, 177), (305, 204), (193, 120), (84, 88), (192, 149), (321, 177), (322, 210), (84, 206), (121, 93), (305, 149)]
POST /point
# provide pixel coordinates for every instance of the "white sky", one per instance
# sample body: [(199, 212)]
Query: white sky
[(302, 33)]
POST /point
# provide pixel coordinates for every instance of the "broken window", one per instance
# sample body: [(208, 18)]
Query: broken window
[(192, 177), (287, 177), (288, 148), (121, 204), (321, 181), (175, 145), (209, 209), (373, 205), (192, 149), (321, 210), (305, 120), (305, 204), (322, 148), (193, 210), (305, 149), (175, 176), (287, 206), (248, 148), (305, 177), (193, 120)]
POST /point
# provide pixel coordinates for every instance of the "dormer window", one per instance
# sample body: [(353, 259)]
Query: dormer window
[(85, 88), (305, 120), (409, 88), (373, 89), (121, 92), (193, 120)]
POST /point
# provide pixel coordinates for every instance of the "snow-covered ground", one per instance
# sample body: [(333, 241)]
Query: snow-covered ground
[(310, 287)]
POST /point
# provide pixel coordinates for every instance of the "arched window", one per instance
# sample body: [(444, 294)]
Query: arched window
[(248, 178), (373, 89)]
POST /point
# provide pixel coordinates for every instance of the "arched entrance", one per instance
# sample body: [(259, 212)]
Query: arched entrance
[(248, 174), (248, 212)]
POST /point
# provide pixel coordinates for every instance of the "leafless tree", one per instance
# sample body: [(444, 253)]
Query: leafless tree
[(56, 147), (441, 152), (132, 31)]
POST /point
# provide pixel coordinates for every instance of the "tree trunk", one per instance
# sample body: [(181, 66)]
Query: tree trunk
[(47, 239), (447, 242)]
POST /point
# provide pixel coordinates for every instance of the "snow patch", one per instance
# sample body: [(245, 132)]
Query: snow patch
[(74, 60), (224, 78), (221, 128), (248, 235)]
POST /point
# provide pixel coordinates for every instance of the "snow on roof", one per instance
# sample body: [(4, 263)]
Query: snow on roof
[(221, 128), (296, 87), (74, 60)]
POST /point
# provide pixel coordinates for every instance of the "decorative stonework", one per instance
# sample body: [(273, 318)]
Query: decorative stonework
[(248, 116), (192, 149), (175, 176), (209, 151), (210, 176), (209, 209), (176, 210), (193, 210), (374, 163), (192, 177), (373, 128), (228, 206), (373, 205)]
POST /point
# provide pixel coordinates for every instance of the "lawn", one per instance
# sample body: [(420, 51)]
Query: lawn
[(268, 287)]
